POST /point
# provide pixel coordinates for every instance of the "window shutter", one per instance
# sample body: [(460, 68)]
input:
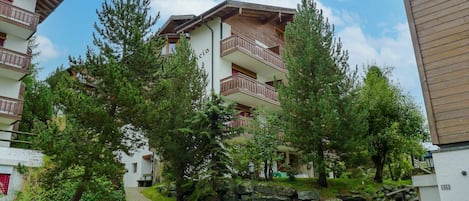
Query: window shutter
[(4, 183)]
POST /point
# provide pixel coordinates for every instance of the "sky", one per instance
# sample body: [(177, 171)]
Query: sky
[(375, 32)]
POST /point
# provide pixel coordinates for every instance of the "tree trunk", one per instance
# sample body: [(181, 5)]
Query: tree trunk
[(81, 186), (266, 170), (322, 180), (378, 160), (179, 191)]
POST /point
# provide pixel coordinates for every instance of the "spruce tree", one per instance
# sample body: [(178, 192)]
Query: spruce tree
[(315, 98)]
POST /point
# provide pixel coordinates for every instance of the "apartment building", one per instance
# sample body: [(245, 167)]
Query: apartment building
[(18, 22), (239, 45), (441, 43)]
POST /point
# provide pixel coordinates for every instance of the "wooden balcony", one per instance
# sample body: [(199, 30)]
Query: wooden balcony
[(248, 91), (17, 21), (10, 110), (14, 65), (245, 52), (240, 122)]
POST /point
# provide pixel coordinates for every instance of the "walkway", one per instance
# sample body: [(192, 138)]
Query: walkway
[(133, 194)]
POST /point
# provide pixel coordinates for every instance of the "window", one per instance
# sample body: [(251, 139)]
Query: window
[(3, 37), (4, 183), (168, 49), (134, 167), (235, 69)]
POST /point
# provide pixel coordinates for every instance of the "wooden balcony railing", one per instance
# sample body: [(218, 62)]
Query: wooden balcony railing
[(22, 16), (243, 83), (15, 59), (240, 122), (248, 46), (11, 106)]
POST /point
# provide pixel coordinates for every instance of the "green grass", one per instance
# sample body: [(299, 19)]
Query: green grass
[(153, 194)]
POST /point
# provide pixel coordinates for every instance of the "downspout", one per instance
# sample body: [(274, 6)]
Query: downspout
[(211, 30)]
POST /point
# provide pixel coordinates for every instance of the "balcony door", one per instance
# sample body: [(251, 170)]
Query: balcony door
[(235, 69)]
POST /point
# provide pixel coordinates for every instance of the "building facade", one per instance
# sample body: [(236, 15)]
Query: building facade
[(441, 43), (239, 45), (18, 22)]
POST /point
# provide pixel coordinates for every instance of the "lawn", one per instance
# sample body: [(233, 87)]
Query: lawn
[(153, 194)]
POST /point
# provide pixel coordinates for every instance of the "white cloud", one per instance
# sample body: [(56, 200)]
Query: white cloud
[(46, 49), (180, 7)]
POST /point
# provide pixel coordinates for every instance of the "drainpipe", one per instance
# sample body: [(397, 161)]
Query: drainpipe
[(211, 30)]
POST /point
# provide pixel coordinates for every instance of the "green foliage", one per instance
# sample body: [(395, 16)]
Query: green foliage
[(318, 101), (209, 126), (394, 124), (153, 194), (170, 105)]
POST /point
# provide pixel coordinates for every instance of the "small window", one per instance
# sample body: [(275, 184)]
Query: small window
[(134, 167), (4, 183), (3, 37)]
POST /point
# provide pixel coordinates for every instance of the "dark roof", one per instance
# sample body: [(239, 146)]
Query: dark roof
[(229, 8), (45, 7), (175, 20)]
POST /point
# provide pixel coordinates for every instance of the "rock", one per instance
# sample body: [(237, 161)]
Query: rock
[(244, 188), (334, 199), (275, 190), (271, 198), (308, 195), (351, 197)]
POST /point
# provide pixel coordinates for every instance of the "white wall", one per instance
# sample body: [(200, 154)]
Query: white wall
[(29, 5), (14, 156), (143, 166), (9, 88), (449, 165), (15, 43), (201, 42)]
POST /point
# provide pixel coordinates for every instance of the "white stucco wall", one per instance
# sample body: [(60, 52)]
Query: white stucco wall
[(427, 187), (143, 166), (9, 88), (201, 42), (29, 5), (5, 136), (15, 43), (449, 166), (14, 156)]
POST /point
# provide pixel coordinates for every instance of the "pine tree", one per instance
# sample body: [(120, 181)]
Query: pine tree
[(109, 87), (315, 98), (173, 102)]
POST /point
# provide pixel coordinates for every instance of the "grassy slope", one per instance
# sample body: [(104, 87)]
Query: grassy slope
[(152, 194)]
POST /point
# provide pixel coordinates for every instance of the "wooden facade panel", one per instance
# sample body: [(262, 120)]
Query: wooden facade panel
[(266, 33), (454, 138), (446, 54), (453, 98), (460, 105), (451, 114), (438, 27), (461, 34), (446, 62), (449, 91), (426, 36), (450, 85), (449, 76), (463, 128), (421, 5), (441, 14), (453, 122), (448, 68), (445, 46)]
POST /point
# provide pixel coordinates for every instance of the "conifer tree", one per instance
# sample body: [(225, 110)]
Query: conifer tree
[(173, 102), (104, 94), (317, 94)]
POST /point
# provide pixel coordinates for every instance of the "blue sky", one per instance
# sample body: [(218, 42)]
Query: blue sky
[(373, 31)]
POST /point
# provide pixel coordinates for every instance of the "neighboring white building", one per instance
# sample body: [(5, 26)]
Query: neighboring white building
[(18, 22)]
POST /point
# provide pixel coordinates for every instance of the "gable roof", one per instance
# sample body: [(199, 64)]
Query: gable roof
[(230, 8)]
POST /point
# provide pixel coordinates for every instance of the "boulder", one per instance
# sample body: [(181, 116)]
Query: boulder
[(244, 188), (351, 197), (275, 190), (308, 195)]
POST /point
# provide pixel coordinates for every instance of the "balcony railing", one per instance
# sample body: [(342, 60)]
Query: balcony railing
[(243, 83), (11, 106), (242, 122), (248, 46), (15, 59), (22, 16)]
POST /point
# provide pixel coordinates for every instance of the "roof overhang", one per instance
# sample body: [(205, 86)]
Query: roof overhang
[(45, 7), (230, 8)]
